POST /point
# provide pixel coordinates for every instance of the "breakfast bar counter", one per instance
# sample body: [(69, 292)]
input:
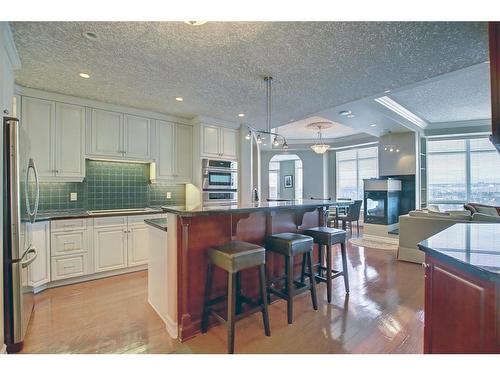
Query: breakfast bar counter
[(198, 228)]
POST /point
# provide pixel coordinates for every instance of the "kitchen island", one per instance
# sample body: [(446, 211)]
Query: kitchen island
[(197, 228), (462, 289)]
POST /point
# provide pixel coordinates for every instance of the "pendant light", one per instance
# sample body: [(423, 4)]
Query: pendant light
[(320, 147)]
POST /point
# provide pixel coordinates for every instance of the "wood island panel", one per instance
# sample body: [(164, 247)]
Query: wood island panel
[(195, 234)]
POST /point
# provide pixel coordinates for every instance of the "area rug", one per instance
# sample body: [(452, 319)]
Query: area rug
[(375, 244)]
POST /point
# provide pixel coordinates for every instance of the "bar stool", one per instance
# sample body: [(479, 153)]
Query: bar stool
[(289, 245), (235, 256), (325, 236)]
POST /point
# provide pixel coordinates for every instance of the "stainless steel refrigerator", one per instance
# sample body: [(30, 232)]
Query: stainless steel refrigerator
[(20, 204)]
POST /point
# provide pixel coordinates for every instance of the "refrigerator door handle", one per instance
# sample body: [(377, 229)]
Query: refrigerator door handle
[(32, 214), (27, 262)]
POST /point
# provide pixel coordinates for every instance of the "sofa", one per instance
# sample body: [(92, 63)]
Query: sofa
[(418, 225)]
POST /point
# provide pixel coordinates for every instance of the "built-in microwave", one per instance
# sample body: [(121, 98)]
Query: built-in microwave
[(220, 175)]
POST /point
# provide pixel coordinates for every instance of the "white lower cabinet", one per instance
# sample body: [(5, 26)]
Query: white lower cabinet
[(110, 248), (138, 245), (67, 266), (39, 270)]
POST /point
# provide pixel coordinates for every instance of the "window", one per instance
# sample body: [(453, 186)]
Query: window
[(352, 167), (461, 171)]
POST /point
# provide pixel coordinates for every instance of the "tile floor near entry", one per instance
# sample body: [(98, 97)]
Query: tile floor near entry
[(384, 314)]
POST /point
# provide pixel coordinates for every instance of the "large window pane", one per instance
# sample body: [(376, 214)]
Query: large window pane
[(347, 179), (447, 178), (367, 168), (485, 178)]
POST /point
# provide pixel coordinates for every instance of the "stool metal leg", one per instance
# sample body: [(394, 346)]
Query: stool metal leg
[(313, 281), (344, 266), (263, 297), (329, 273), (206, 307), (231, 310), (289, 288)]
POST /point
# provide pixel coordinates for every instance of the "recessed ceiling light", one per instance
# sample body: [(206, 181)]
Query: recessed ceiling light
[(195, 23), (84, 75), (373, 125), (350, 115), (179, 99), (345, 113), (241, 115), (90, 35)]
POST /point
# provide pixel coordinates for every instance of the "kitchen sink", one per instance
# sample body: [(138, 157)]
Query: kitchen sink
[(121, 211)]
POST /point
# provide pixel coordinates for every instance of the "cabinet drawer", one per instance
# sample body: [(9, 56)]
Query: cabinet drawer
[(69, 266), (110, 221), (70, 224), (68, 242)]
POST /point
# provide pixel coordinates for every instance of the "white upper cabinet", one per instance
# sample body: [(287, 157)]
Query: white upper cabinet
[(57, 138), (219, 142), (38, 118), (106, 133), (137, 132), (70, 141), (174, 151), (118, 135), (211, 141)]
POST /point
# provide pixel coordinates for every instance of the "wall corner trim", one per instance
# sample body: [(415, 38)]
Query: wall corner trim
[(10, 46)]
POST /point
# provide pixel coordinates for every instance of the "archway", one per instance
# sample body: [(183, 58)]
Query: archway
[(285, 177)]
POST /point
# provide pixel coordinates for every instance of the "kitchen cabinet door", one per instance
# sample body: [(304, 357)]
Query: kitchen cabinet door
[(139, 243), (183, 152), (38, 118), (229, 143), (459, 311), (137, 133), (165, 150), (211, 141), (110, 248), (39, 270), (70, 142), (106, 133)]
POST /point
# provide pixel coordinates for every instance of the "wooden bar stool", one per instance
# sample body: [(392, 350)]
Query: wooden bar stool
[(289, 245), (327, 237), (235, 256)]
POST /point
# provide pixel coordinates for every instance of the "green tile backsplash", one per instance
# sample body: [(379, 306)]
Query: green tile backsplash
[(110, 185)]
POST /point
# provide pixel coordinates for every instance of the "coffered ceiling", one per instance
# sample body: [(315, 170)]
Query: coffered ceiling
[(218, 67)]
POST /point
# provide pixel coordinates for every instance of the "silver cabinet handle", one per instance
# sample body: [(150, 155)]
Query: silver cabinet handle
[(425, 265)]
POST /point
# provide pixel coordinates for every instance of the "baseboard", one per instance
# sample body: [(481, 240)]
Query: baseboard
[(94, 276), (4, 349), (170, 325)]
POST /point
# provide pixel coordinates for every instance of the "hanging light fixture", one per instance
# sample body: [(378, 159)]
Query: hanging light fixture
[(390, 146), (278, 139), (320, 147)]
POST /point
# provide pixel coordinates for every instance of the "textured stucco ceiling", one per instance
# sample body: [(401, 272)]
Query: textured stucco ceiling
[(459, 96), (217, 67)]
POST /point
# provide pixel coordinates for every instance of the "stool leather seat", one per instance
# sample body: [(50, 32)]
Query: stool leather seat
[(326, 236), (289, 244), (235, 256)]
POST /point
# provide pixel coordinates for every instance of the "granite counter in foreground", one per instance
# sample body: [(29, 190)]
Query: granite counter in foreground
[(187, 211), (472, 247)]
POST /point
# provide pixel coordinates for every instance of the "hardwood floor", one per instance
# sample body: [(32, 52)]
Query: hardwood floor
[(383, 314)]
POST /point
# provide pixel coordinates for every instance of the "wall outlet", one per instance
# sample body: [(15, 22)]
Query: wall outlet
[(73, 197), (169, 195)]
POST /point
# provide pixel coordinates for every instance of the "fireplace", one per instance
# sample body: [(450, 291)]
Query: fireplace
[(381, 201)]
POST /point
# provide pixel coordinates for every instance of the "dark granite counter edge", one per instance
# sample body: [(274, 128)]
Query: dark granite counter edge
[(157, 223), (243, 210), (86, 215), (466, 267)]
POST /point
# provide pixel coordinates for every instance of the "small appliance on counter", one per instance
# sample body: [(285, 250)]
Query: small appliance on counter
[(21, 193), (219, 182)]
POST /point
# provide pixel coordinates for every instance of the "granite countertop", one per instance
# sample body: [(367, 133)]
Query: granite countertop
[(160, 223), (82, 213), (472, 247), (250, 207)]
